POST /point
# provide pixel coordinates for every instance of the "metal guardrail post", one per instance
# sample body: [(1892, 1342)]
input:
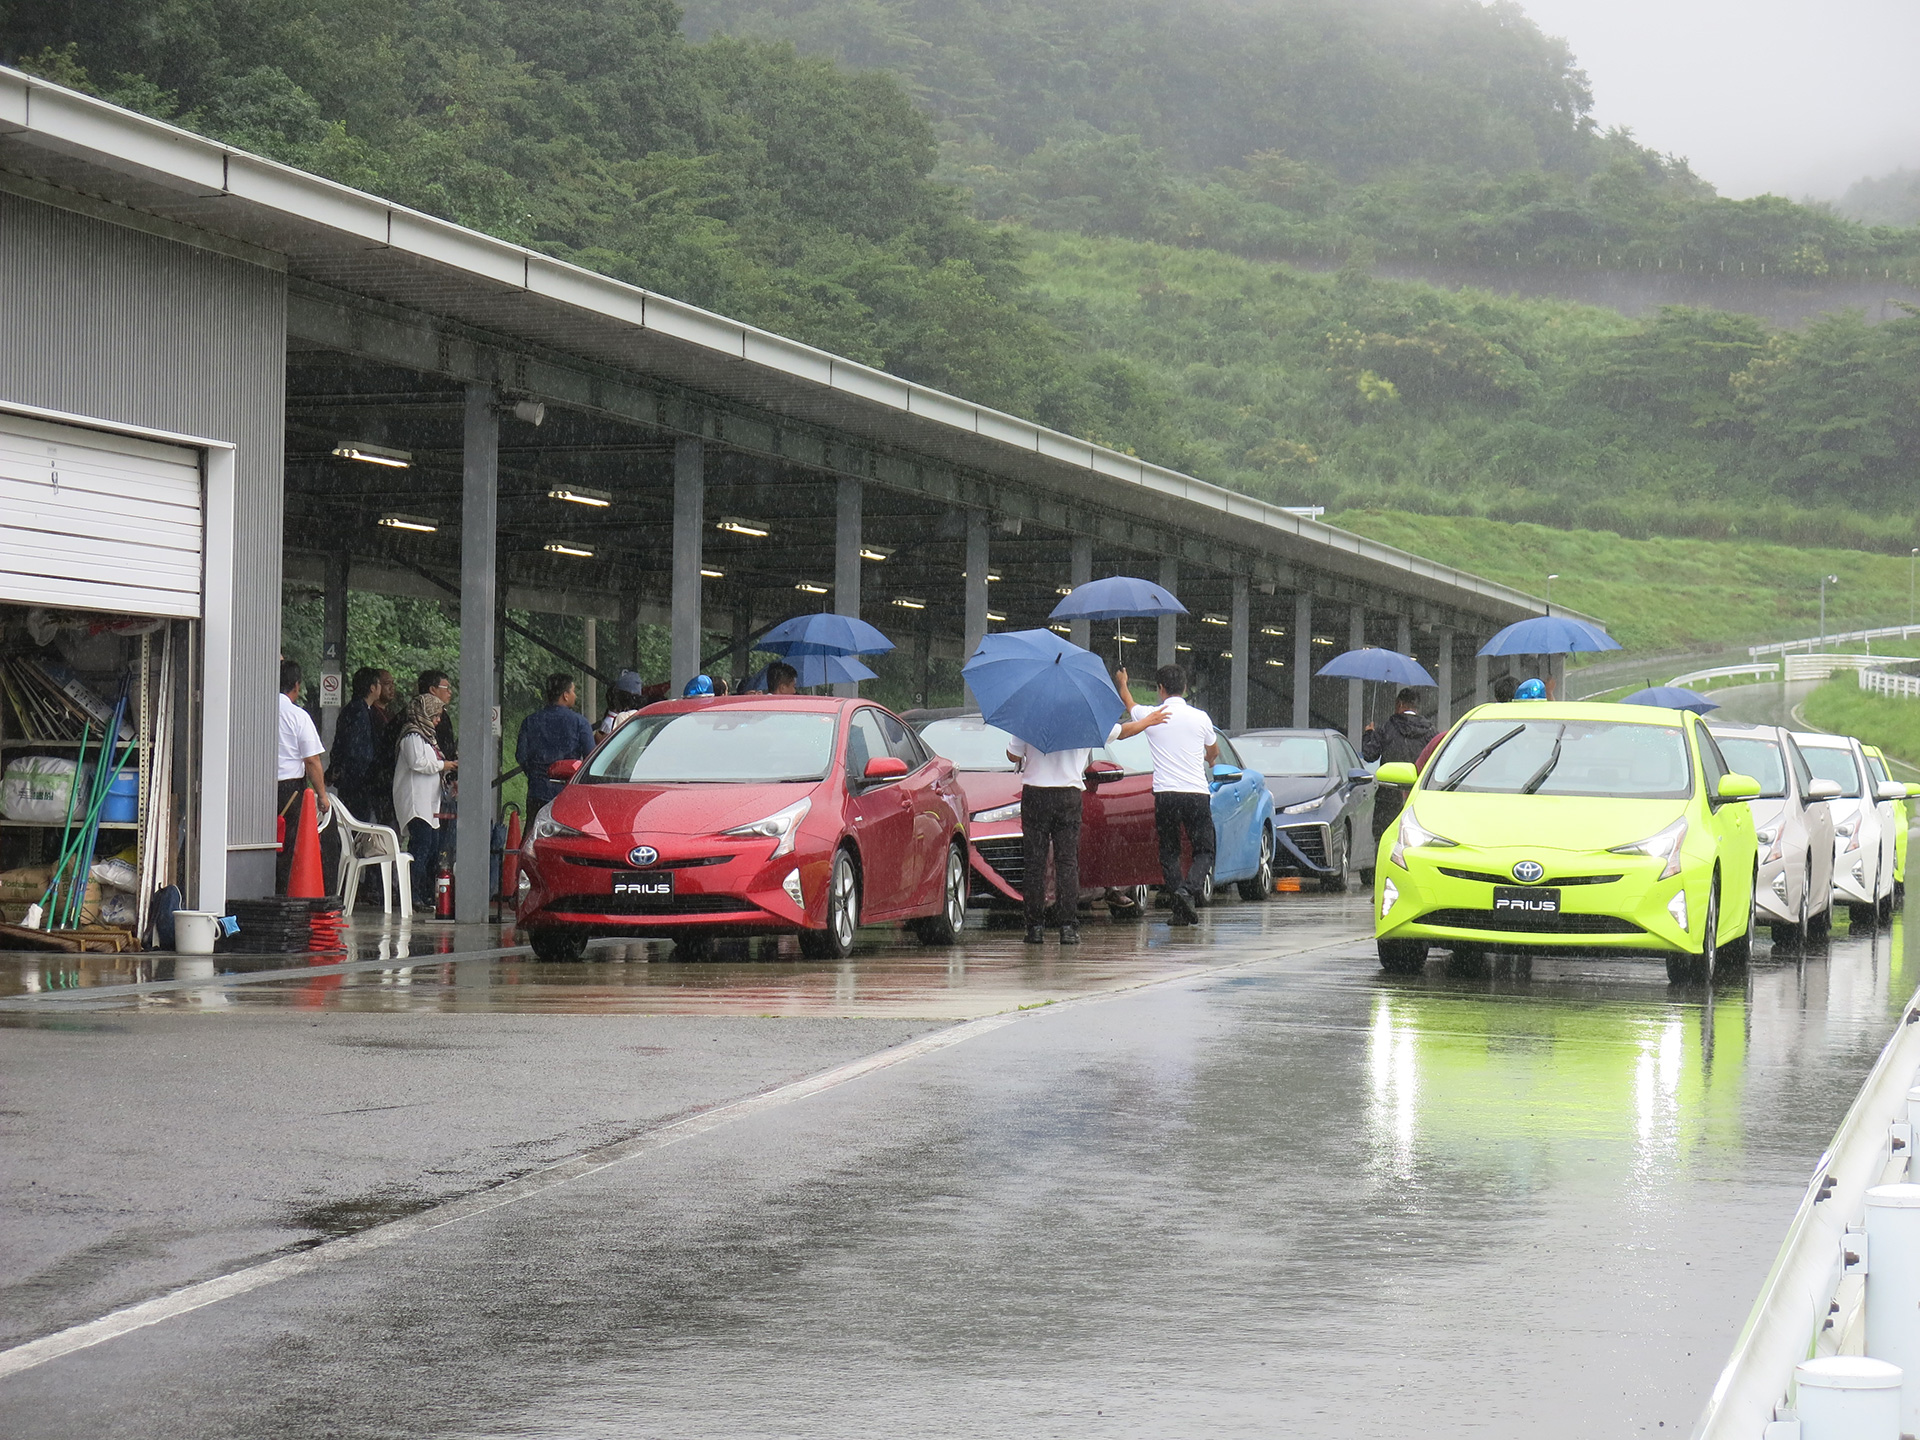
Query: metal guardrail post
[(1893, 1288)]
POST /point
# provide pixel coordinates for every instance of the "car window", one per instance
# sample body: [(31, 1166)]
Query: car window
[(901, 743), (1801, 773), (1565, 757), (969, 742), (1759, 757), (1228, 755), (1349, 757), (1286, 754), (865, 741), (1828, 763), (1879, 769), (726, 744), (1711, 760)]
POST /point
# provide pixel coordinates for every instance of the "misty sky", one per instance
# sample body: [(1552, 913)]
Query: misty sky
[(1792, 96)]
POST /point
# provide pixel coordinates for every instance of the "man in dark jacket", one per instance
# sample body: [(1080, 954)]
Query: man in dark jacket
[(557, 732), (1402, 738), (355, 753)]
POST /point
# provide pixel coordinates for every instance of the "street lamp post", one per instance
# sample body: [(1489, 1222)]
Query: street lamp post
[(1825, 580), (1550, 580), (1913, 559)]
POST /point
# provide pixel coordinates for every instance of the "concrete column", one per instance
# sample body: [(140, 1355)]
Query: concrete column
[(976, 583), (1482, 679), (1302, 660), (1403, 634), (333, 646), (1356, 689), (590, 683), (479, 699), (1169, 630), (742, 628), (1443, 715), (626, 631), (923, 662), (846, 559), (1242, 624), (1080, 573), (1557, 672), (689, 533)]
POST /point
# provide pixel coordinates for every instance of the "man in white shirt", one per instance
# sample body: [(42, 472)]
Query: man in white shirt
[(297, 764), (1184, 749), (1050, 808)]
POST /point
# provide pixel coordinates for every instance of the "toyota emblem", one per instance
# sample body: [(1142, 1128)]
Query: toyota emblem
[(1528, 872), (646, 855)]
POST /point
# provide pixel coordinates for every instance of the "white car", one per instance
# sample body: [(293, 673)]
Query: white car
[(1793, 823), (1863, 845)]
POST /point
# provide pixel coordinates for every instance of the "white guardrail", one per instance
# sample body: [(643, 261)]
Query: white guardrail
[(1825, 1296), (1726, 672), (1880, 682), (1820, 667), (1822, 641)]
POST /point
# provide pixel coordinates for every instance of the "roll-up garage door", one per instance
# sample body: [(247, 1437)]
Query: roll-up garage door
[(92, 521)]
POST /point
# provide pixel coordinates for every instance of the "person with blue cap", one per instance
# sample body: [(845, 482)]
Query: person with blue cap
[(698, 686), (1534, 689)]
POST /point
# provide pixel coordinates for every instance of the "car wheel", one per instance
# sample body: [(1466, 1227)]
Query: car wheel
[(1860, 917), (1883, 912), (1820, 924), (1735, 954), (1796, 934), (1129, 902), (1203, 897), (944, 928), (1469, 962), (1339, 858), (1261, 885), (556, 944), (1691, 969), (835, 942), (1402, 957)]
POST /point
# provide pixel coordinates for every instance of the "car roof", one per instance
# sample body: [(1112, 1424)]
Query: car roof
[(925, 715), (1734, 727), (1579, 710), (814, 704), (1287, 730), (1822, 741)]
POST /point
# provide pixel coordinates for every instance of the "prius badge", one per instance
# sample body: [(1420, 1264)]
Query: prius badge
[(1528, 872), (646, 855)]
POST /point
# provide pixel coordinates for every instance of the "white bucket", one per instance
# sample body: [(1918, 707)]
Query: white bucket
[(1847, 1397), (194, 931)]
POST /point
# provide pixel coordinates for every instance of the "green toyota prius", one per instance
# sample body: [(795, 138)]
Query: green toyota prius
[(1553, 827)]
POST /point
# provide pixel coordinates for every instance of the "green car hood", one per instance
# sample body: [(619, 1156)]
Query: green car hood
[(1556, 822)]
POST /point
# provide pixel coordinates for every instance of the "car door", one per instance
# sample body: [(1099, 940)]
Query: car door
[(1732, 823), (1236, 846), (882, 817), (921, 866), (1887, 812), (1118, 846), (1816, 820), (1358, 804)]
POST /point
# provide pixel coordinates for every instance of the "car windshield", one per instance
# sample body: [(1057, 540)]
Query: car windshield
[(969, 742), (1284, 754), (1750, 755), (727, 745), (1828, 763), (1566, 757)]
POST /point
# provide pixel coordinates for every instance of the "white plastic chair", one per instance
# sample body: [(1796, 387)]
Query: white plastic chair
[(363, 844)]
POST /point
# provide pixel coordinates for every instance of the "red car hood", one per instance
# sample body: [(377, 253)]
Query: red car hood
[(621, 812), (989, 789)]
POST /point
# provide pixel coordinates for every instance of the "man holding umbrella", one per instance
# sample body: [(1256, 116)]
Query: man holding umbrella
[(1403, 737)]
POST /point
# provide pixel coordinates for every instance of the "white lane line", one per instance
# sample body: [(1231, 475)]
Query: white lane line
[(225, 1287)]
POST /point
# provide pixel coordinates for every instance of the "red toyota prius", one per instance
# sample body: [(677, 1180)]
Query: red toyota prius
[(745, 815)]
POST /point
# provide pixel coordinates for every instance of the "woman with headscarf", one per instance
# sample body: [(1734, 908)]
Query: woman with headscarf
[(417, 773)]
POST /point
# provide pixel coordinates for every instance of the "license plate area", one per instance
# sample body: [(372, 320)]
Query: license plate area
[(646, 887), (1526, 900)]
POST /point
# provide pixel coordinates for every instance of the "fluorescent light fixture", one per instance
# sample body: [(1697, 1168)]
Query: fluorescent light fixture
[(907, 602), (712, 574), (580, 495), (876, 552), (807, 587), (560, 547), (1323, 639), (996, 617), (992, 576), (734, 525), (422, 523), (1061, 629), (1272, 630), (1278, 664), (1212, 619), (1063, 589), (1183, 648), (1128, 639), (373, 454), (1226, 654)]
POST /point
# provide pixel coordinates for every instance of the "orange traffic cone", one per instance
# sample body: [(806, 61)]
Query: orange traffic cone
[(307, 882)]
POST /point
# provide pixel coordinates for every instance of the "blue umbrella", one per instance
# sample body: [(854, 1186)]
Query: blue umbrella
[(1375, 664), (824, 635), (1672, 697), (1549, 635), (1117, 598), (1044, 690), (819, 670)]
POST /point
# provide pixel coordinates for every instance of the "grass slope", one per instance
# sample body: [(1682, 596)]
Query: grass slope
[(1842, 706), (1662, 595)]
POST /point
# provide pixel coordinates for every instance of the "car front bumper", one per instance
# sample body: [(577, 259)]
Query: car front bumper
[(720, 886)]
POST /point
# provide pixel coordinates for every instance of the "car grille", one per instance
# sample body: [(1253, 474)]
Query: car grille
[(1488, 878), (640, 905), (600, 863), (1565, 923), (1309, 840), (1006, 856)]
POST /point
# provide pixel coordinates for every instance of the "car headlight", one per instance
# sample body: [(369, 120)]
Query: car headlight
[(782, 825), (1306, 805), (1664, 846), (1000, 812), (1770, 839), (545, 827), (1410, 833)]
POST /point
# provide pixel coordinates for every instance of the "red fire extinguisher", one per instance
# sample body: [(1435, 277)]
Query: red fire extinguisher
[(443, 894)]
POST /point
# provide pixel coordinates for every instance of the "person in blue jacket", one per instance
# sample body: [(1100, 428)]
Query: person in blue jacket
[(557, 731)]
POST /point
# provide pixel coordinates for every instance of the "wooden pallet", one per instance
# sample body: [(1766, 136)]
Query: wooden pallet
[(90, 940)]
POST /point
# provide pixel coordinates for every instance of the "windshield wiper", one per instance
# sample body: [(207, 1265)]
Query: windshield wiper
[(1453, 781), (1553, 758)]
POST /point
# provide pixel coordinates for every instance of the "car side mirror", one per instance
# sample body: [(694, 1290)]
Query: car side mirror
[(1891, 790), (884, 767), (1913, 790), (1359, 777), (1226, 775), (1824, 790), (1398, 773), (1099, 772), (563, 770), (1738, 787)]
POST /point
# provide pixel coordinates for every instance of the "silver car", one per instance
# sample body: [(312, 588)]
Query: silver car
[(1793, 823), (1863, 850)]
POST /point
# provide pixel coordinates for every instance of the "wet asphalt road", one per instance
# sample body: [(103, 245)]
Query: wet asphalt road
[(1288, 1196)]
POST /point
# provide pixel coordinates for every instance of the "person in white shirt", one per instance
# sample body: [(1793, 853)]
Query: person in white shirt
[(297, 764), (1050, 811), (417, 774), (1184, 749)]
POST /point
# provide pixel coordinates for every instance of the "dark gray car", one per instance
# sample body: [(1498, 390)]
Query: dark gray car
[(1322, 802)]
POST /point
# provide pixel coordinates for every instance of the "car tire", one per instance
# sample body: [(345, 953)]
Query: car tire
[(944, 929), (1798, 934), (1138, 900), (1861, 917), (835, 940), (1261, 884), (1339, 860), (1203, 897), (1735, 953), (1469, 962), (1402, 957), (557, 944), (1689, 968)]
